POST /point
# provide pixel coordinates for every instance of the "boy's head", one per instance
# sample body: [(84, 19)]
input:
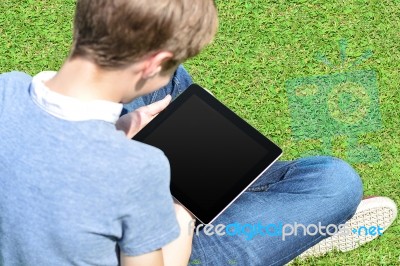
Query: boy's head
[(114, 34)]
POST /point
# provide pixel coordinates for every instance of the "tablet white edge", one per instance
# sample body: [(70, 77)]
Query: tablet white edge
[(235, 197)]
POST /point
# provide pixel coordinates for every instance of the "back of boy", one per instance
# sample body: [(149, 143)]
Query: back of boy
[(71, 190)]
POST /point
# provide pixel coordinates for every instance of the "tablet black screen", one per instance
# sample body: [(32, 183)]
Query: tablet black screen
[(212, 157)]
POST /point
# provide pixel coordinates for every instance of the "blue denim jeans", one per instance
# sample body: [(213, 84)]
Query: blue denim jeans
[(317, 190)]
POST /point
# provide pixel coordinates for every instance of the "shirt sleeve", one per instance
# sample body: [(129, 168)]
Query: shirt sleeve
[(149, 222)]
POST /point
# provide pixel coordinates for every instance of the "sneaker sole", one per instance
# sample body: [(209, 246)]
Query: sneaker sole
[(375, 211)]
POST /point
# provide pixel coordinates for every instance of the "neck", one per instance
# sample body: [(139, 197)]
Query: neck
[(81, 79)]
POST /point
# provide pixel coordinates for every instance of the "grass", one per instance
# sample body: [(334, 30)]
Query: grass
[(260, 46)]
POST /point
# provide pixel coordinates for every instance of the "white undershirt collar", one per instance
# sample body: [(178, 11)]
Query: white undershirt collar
[(69, 108)]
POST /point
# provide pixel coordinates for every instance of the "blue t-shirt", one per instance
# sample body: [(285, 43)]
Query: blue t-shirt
[(71, 192)]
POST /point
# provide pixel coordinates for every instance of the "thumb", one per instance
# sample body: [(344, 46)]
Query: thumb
[(158, 106)]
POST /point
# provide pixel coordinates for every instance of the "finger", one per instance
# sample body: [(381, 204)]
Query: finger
[(158, 106)]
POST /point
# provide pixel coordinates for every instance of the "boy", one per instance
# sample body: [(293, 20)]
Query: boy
[(73, 188)]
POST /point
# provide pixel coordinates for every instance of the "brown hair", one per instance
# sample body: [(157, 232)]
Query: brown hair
[(116, 33)]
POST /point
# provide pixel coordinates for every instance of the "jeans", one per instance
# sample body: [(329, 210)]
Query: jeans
[(305, 191)]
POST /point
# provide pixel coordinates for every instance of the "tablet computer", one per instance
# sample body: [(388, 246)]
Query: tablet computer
[(214, 154)]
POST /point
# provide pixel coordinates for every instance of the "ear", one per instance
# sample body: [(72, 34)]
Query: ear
[(154, 64)]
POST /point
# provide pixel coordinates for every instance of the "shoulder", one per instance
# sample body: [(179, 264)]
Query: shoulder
[(12, 84), (146, 204), (150, 160), (11, 80), (133, 159), (141, 173), (15, 77)]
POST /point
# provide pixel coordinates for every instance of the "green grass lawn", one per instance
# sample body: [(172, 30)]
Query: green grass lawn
[(261, 45)]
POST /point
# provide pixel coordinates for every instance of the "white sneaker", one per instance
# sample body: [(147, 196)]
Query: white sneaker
[(360, 229)]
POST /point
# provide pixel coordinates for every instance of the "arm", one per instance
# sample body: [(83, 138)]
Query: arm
[(176, 253), (153, 258)]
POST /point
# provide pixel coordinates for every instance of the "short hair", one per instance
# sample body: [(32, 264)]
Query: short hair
[(116, 33)]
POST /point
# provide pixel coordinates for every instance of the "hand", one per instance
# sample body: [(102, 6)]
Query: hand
[(182, 213), (133, 122)]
